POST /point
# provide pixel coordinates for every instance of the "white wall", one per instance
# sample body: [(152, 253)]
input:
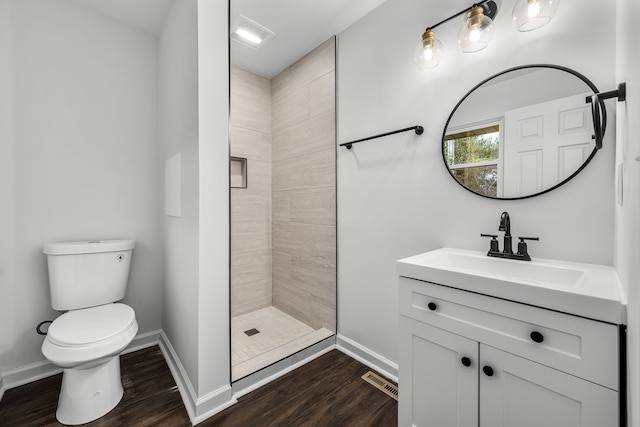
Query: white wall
[(213, 103), (193, 111), (627, 248), (178, 119), (6, 186), (82, 153), (395, 197)]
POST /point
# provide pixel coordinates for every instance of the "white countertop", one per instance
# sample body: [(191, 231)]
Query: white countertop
[(587, 290)]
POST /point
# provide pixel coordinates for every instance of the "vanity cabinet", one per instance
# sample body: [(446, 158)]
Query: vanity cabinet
[(468, 359)]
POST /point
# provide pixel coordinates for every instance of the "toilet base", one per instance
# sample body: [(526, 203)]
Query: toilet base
[(88, 394)]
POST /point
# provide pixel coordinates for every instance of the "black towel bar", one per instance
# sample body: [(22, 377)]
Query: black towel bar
[(418, 129)]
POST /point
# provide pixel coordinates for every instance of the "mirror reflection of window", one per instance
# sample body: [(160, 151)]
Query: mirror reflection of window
[(474, 157)]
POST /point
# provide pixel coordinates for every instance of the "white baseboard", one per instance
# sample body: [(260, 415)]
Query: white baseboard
[(43, 369), (370, 358), (198, 408)]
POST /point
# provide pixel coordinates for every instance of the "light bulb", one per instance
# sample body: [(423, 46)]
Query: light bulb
[(474, 35), (534, 9), (531, 14), (428, 51), (477, 31)]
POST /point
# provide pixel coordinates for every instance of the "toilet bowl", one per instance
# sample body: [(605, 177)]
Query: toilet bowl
[(87, 343)]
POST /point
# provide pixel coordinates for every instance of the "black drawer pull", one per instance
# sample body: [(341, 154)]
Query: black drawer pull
[(536, 337), (466, 361), (432, 306), (488, 370)]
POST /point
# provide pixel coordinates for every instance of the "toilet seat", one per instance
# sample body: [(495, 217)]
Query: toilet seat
[(83, 336), (80, 328)]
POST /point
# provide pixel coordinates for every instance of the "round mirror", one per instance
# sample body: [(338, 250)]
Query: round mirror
[(521, 133)]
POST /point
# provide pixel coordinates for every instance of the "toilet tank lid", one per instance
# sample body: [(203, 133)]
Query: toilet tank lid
[(87, 247)]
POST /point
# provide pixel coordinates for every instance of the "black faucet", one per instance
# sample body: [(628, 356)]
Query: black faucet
[(505, 225), (507, 252)]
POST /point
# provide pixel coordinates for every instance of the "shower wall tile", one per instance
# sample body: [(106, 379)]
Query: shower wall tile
[(308, 171), (307, 240), (291, 110), (248, 268), (250, 143), (247, 204), (322, 95), (314, 65), (306, 290), (304, 138), (303, 188), (250, 101), (250, 138), (316, 206)]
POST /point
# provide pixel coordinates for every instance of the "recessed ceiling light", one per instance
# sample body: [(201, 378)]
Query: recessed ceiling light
[(249, 33)]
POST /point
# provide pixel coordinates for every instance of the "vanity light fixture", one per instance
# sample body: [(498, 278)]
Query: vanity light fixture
[(249, 33), (474, 35), (531, 14), (477, 30)]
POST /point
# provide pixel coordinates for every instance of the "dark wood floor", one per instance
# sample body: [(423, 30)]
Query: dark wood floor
[(325, 392)]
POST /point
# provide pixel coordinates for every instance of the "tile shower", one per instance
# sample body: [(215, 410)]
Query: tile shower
[(283, 210)]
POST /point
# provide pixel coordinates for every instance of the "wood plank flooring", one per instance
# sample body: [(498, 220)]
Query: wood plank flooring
[(327, 391)]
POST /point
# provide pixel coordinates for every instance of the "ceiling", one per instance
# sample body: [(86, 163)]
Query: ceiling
[(300, 25), (147, 15)]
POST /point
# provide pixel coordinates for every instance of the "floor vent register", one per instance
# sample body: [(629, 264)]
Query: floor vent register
[(382, 384)]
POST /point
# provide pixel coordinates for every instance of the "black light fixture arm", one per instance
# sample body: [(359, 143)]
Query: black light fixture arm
[(418, 130), (458, 14)]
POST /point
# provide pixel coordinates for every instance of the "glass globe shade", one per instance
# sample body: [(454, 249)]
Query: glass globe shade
[(477, 31), (531, 14), (428, 52)]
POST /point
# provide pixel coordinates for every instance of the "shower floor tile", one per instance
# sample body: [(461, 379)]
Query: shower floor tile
[(279, 336)]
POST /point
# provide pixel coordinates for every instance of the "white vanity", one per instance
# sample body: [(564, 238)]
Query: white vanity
[(501, 343)]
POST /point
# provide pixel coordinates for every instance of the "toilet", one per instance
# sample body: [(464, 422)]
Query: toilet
[(86, 280)]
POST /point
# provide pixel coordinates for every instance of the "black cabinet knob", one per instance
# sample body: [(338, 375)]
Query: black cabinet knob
[(466, 361), (432, 306), (488, 370), (536, 337)]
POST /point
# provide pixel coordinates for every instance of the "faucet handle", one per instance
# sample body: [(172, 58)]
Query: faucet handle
[(522, 247), (494, 242)]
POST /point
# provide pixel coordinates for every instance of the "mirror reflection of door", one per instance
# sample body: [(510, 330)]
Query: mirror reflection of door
[(548, 142), (521, 132)]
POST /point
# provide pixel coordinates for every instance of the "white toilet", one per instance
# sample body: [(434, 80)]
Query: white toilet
[(87, 278)]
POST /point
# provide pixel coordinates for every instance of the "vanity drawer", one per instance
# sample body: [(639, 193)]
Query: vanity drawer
[(582, 347)]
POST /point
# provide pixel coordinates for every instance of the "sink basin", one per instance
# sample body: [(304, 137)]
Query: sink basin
[(534, 273), (583, 289)]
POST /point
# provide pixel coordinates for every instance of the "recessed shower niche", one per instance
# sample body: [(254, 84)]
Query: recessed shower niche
[(238, 172), (283, 220)]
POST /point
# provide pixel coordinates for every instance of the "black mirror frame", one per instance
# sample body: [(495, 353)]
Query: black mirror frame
[(599, 126)]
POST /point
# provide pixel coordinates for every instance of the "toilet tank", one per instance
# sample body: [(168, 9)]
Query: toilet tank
[(88, 273)]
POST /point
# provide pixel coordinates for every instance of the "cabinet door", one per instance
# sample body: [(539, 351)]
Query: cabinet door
[(522, 393), (435, 387)]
